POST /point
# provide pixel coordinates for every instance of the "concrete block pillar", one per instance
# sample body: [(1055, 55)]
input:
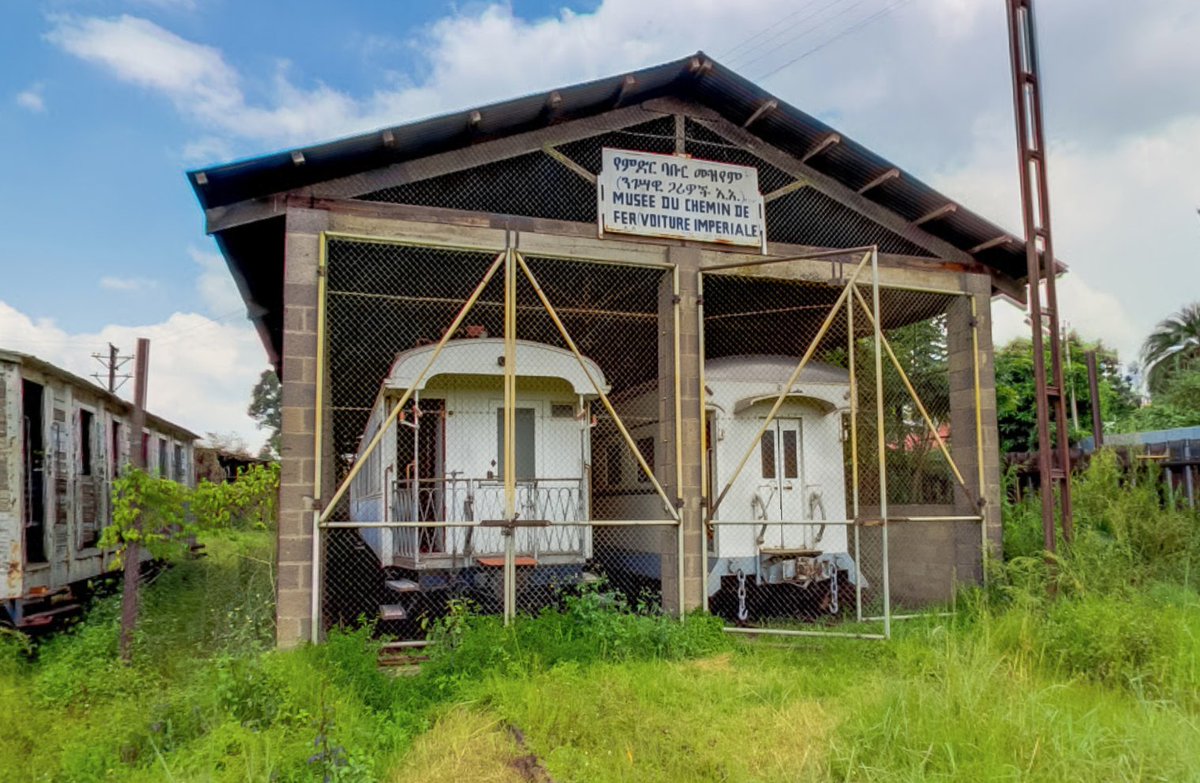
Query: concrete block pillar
[(294, 583), (964, 447), (688, 261)]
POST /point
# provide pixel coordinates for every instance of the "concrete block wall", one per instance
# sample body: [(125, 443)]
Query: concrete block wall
[(294, 579), (690, 400)]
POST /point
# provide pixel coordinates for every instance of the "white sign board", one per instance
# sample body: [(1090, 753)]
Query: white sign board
[(680, 198)]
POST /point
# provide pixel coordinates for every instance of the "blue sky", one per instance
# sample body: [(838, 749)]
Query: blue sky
[(105, 103)]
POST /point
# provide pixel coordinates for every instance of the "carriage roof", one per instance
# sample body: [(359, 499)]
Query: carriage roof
[(768, 368), (484, 356), (760, 377)]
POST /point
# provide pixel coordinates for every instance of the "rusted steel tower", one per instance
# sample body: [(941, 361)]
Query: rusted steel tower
[(1054, 451)]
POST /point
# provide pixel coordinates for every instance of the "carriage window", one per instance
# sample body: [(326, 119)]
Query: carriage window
[(767, 449), (612, 464), (114, 454), (558, 411), (525, 445), (790, 459), (646, 447), (85, 442)]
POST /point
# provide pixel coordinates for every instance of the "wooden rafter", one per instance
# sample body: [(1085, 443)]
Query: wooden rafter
[(882, 178)]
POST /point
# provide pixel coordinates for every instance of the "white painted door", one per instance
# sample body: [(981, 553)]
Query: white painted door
[(780, 495)]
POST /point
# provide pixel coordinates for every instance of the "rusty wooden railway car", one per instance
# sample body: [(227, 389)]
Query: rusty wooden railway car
[(62, 439)]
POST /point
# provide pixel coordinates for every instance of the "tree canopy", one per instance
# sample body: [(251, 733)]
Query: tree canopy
[(264, 409), (1173, 348)]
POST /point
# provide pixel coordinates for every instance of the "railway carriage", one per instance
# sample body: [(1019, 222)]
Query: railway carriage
[(62, 439), (444, 464)]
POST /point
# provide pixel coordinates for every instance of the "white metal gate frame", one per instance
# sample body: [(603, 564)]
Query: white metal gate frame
[(511, 261), (847, 298)]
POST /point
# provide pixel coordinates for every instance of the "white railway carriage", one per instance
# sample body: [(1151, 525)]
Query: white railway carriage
[(795, 479), (793, 482), (443, 463)]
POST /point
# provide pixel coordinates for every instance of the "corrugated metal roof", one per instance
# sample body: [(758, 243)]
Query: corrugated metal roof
[(697, 78), (254, 250)]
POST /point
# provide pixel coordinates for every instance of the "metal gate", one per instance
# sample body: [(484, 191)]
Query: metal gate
[(826, 448), (497, 432)]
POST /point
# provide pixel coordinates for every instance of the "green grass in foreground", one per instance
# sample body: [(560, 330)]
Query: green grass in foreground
[(1100, 683)]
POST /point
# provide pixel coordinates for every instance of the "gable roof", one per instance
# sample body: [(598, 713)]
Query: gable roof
[(697, 79)]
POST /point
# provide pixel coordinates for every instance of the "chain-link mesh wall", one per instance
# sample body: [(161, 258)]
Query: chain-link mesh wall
[(796, 462), (417, 423), (534, 184)]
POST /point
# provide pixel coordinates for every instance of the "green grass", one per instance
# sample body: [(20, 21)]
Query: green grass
[(1088, 670)]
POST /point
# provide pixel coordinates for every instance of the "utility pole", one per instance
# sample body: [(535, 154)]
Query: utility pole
[(1066, 341), (1094, 391), (111, 362), (133, 556), (1054, 454)]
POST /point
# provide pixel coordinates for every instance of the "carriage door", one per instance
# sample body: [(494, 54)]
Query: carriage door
[(780, 495)]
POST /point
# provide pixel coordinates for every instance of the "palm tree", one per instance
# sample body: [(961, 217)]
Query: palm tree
[(1172, 346)]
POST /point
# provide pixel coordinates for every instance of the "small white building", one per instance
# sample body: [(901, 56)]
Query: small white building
[(443, 463)]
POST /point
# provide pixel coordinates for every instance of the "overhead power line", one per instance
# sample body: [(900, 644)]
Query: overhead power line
[(734, 52), (789, 40), (853, 28)]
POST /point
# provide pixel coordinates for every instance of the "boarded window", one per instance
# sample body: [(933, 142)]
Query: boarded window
[(526, 445), (114, 454), (767, 452)]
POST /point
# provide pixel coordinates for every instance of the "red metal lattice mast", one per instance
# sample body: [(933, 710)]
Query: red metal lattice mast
[(1054, 452)]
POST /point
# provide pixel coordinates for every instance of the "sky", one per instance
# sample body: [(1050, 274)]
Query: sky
[(104, 104)]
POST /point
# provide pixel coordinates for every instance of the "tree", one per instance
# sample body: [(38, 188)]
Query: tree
[(1173, 347), (1016, 397), (1177, 404), (264, 409)]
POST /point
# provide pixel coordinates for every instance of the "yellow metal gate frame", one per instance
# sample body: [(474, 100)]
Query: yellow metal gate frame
[(513, 265), (849, 295)]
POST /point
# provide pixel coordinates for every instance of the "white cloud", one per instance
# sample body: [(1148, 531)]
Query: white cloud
[(127, 283), (1123, 218), (215, 285), (167, 5), (32, 99), (207, 149), (933, 94), (202, 368)]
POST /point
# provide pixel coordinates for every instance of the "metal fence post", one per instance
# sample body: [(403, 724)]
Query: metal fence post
[(882, 443), (510, 460), (850, 340), (984, 544), (318, 441), (705, 520)]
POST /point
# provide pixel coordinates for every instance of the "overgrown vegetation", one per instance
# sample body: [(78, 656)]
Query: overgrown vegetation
[(1083, 668)]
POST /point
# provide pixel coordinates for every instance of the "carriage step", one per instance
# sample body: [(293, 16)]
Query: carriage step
[(392, 612), (41, 619), (498, 562), (402, 585)]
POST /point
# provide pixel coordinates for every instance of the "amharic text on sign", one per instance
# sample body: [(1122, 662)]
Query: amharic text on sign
[(681, 198)]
